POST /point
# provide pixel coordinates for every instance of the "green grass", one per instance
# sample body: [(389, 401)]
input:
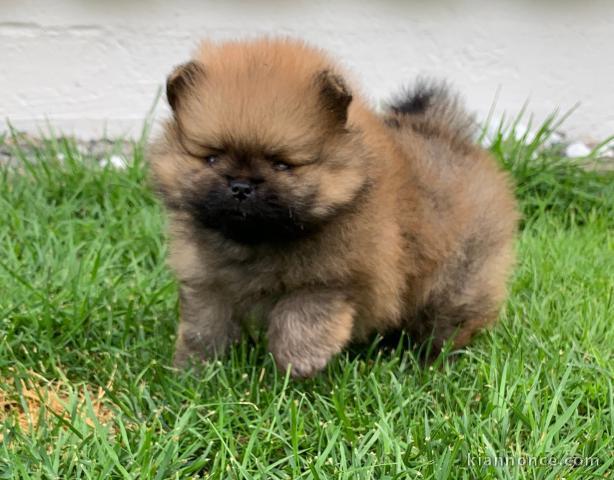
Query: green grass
[(88, 302)]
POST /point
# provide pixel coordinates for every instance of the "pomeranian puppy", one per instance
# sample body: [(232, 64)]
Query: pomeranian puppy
[(291, 200)]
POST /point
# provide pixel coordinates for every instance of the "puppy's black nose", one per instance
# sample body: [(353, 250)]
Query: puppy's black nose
[(241, 189)]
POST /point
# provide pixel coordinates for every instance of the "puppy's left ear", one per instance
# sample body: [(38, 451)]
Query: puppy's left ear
[(181, 79), (335, 95)]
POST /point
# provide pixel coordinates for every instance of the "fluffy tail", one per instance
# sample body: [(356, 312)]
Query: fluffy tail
[(432, 110)]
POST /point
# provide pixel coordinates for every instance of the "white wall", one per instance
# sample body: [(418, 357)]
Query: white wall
[(90, 66)]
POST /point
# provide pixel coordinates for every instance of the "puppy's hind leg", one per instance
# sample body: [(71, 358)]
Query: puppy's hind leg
[(467, 300), (207, 326)]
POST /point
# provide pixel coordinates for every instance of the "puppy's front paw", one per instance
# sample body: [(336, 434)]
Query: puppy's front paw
[(196, 345), (307, 328), (185, 359), (303, 364)]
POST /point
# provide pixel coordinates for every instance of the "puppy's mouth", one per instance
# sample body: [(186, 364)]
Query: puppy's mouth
[(250, 221)]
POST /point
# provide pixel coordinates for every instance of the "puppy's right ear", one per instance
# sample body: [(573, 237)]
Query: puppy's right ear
[(182, 78)]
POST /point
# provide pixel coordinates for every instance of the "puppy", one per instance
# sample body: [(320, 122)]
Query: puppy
[(291, 200)]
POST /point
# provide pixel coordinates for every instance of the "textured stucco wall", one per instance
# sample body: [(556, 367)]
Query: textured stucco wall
[(94, 66)]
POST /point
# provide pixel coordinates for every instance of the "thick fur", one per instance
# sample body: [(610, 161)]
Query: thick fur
[(356, 222), (432, 110)]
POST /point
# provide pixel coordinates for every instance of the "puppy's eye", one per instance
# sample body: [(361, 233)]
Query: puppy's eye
[(211, 159), (281, 166)]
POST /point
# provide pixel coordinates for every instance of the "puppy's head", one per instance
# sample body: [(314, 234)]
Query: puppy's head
[(260, 147)]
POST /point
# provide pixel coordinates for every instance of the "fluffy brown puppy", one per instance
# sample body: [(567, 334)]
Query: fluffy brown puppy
[(289, 197)]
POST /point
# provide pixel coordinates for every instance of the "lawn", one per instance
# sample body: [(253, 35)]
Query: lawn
[(88, 311)]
